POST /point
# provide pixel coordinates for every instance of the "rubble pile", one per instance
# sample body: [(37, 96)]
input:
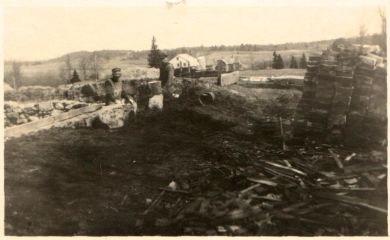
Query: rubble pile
[(93, 91), (85, 91), (146, 95), (344, 92), (247, 189), (16, 114)]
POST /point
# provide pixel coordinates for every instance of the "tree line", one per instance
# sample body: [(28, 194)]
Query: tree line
[(278, 63)]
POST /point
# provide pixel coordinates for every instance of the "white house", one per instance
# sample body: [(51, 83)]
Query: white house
[(184, 61), (202, 62)]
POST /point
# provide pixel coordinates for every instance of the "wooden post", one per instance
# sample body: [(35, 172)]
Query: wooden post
[(282, 133), (95, 66)]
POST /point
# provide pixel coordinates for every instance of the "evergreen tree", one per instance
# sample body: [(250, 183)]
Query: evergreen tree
[(303, 63), (275, 60), (279, 62), (293, 62), (75, 77), (154, 57)]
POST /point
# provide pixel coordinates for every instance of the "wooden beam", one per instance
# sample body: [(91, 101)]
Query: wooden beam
[(19, 130)]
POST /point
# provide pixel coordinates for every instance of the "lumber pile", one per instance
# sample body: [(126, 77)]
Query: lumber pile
[(368, 107), (308, 95), (344, 93)]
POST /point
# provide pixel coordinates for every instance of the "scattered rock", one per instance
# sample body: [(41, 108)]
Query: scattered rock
[(59, 106), (13, 117), (45, 106), (156, 102)]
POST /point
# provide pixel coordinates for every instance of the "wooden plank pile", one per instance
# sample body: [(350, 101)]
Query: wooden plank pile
[(343, 93), (368, 107), (308, 95), (251, 190)]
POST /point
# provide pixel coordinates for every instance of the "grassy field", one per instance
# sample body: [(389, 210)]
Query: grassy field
[(48, 72), (248, 58), (273, 72)]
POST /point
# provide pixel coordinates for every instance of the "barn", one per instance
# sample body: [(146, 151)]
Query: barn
[(184, 64), (230, 65), (184, 61)]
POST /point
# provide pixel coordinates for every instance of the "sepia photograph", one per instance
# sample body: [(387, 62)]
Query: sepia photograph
[(194, 118)]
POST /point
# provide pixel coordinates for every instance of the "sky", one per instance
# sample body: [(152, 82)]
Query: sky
[(39, 30)]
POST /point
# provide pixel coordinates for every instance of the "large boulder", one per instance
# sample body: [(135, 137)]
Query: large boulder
[(59, 106), (156, 102), (13, 117), (89, 92), (45, 106), (114, 116), (30, 110)]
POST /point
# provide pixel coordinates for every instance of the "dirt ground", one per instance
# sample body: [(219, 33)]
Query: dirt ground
[(96, 182)]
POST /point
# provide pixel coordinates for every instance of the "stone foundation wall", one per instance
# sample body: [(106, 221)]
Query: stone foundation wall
[(145, 95)]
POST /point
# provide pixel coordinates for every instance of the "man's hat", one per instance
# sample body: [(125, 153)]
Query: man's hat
[(116, 70)]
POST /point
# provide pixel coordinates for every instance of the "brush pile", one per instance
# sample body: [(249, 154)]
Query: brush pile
[(244, 189)]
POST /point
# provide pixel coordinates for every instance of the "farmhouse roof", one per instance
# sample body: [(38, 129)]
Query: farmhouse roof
[(229, 61), (192, 61)]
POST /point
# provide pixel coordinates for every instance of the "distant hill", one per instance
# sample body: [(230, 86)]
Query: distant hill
[(134, 63)]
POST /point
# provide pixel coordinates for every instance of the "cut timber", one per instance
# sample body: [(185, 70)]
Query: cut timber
[(112, 116), (47, 122), (227, 79)]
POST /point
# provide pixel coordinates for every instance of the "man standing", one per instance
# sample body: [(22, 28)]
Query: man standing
[(166, 78), (166, 73), (116, 115), (114, 89)]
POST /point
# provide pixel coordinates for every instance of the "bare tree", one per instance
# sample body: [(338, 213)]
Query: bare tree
[(65, 70), (63, 74), (68, 66), (96, 66), (251, 61), (362, 33), (83, 66), (16, 74), (382, 14)]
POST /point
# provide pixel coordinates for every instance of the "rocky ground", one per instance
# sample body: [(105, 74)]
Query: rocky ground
[(193, 170), (16, 113)]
